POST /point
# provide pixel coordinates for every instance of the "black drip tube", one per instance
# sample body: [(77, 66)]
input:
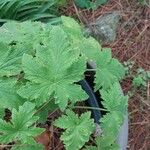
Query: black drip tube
[(92, 100)]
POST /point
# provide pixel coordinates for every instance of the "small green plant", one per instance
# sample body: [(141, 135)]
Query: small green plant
[(89, 4), (140, 80), (128, 65), (144, 2), (40, 65), (21, 128)]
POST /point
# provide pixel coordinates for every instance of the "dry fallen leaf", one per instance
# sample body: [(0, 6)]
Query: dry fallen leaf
[(44, 139)]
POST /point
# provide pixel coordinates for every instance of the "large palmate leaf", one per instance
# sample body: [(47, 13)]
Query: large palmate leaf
[(8, 96), (20, 128), (108, 70), (78, 129), (54, 70), (114, 100)]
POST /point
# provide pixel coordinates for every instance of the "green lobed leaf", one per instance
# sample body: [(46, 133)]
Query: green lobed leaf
[(72, 28), (54, 70), (138, 81), (108, 70), (90, 48), (111, 123), (25, 32), (10, 60), (20, 128), (8, 96), (107, 143), (77, 129), (114, 100)]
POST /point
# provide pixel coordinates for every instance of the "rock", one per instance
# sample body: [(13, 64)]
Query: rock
[(104, 28)]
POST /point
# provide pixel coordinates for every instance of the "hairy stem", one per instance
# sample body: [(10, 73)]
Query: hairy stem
[(86, 107), (42, 107)]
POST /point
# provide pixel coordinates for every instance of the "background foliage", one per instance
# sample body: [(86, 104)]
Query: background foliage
[(21, 10), (89, 4)]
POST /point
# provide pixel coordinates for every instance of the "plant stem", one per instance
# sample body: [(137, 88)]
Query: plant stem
[(86, 107), (42, 107), (4, 146)]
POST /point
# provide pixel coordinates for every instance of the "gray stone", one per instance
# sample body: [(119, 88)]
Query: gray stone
[(104, 28)]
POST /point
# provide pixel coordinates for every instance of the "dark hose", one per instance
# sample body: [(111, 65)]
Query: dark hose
[(92, 101)]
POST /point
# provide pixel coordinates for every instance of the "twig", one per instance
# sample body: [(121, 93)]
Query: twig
[(140, 123), (77, 12), (148, 91)]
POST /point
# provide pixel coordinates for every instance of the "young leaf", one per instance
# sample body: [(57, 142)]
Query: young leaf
[(77, 129), (114, 100), (110, 124), (72, 28), (54, 70), (106, 143), (20, 128), (108, 70), (90, 48), (8, 96)]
